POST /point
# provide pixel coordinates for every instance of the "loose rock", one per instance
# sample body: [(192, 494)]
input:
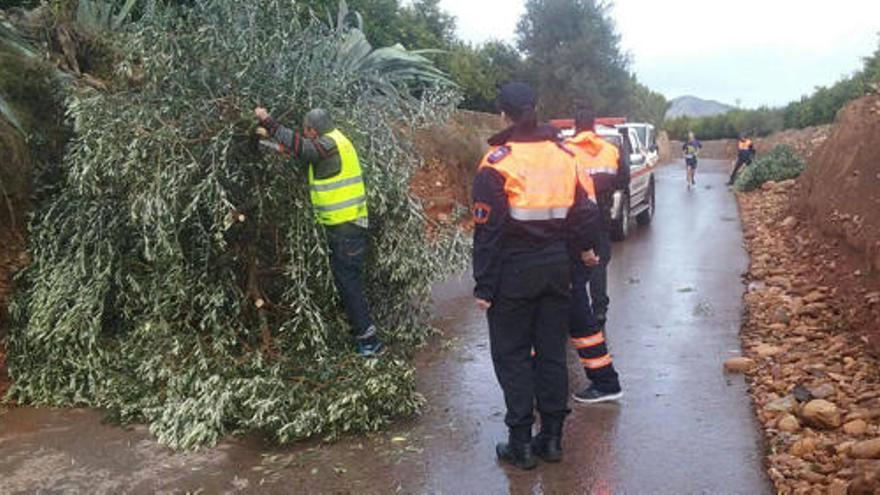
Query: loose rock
[(786, 404), (837, 487), (766, 350), (788, 423), (868, 449), (856, 427), (803, 447), (823, 391), (739, 365), (821, 414)]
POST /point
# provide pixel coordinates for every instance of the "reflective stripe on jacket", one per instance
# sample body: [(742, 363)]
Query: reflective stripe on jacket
[(342, 197), (539, 180), (529, 208)]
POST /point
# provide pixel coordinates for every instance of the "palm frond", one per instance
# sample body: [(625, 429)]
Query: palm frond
[(8, 114)]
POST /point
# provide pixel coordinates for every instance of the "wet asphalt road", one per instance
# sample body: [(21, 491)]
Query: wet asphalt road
[(682, 427)]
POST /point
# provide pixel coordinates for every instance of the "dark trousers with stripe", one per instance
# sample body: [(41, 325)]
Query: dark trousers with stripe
[(530, 311), (588, 334), (598, 278)]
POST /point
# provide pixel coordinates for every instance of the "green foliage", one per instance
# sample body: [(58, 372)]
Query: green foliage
[(32, 127), (574, 54), (760, 122), (480, 70), (416, 25), (25, 4), (822, 106), (101, 15), (170, 225), (646, 105), (781, 163)]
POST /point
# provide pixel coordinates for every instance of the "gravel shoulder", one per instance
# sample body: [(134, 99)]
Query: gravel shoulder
[(809, 309)]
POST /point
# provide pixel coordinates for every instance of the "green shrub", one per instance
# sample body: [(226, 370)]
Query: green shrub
[(781, 163)]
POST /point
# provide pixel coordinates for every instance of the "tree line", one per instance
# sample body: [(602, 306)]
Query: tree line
[(818, 108), (569, 50)]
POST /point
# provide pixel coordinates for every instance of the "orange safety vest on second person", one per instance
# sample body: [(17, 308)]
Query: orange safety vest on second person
[(745, 144), (593, 155), (539, 179)]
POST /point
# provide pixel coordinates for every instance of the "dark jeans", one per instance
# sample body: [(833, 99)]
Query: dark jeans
[(739, 164), (348, 247), (530, 311), (599, 277)]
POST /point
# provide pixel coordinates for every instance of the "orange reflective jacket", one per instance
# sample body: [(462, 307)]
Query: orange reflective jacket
[(745, 144), (593, 155), (539, 179)]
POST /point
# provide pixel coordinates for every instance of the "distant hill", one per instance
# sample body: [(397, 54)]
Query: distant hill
[(692, 106)]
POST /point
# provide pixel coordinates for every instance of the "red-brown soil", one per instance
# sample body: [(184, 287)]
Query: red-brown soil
[(804, 141), (451, 153), (811, 308), (841, 186)]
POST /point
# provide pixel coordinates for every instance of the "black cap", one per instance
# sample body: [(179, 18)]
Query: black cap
[(515, 99)]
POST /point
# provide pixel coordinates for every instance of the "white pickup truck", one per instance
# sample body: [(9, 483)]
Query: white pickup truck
[(637, 144)]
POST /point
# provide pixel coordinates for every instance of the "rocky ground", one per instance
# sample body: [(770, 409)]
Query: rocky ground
[(812, 373)]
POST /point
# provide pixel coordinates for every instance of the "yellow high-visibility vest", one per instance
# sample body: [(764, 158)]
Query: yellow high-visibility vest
[(343, 197)]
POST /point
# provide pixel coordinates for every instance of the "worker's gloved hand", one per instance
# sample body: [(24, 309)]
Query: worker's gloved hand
[(589, 258), (262, 132), (261, 113)]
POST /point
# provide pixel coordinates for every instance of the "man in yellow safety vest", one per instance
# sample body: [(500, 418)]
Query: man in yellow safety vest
[(339, 198)]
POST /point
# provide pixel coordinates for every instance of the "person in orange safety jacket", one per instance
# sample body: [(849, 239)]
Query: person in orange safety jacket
[(745, 153), (597, 161), (531, 219)]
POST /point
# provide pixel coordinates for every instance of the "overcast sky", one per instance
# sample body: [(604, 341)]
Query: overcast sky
[(755, 51)]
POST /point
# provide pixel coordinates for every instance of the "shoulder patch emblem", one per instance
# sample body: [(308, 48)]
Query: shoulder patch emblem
[(481, 213), (499, 154)]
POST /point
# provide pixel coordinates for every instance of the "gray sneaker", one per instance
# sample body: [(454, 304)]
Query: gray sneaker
[(370, 348)]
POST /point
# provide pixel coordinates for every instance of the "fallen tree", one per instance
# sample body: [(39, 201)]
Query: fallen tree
[(178, 276)]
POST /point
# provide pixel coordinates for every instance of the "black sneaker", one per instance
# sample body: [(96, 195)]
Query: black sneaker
[(592, 395), (519, 455)]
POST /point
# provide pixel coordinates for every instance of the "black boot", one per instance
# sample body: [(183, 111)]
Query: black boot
[(517, 453), (548, 444)]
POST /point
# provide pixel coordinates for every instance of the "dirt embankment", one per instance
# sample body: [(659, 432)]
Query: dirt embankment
[(841, 186), (804, 141), (451, 153), (664, 147)]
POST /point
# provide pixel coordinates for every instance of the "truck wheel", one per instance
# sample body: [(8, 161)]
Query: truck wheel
[(645, 217), (620, 227)]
